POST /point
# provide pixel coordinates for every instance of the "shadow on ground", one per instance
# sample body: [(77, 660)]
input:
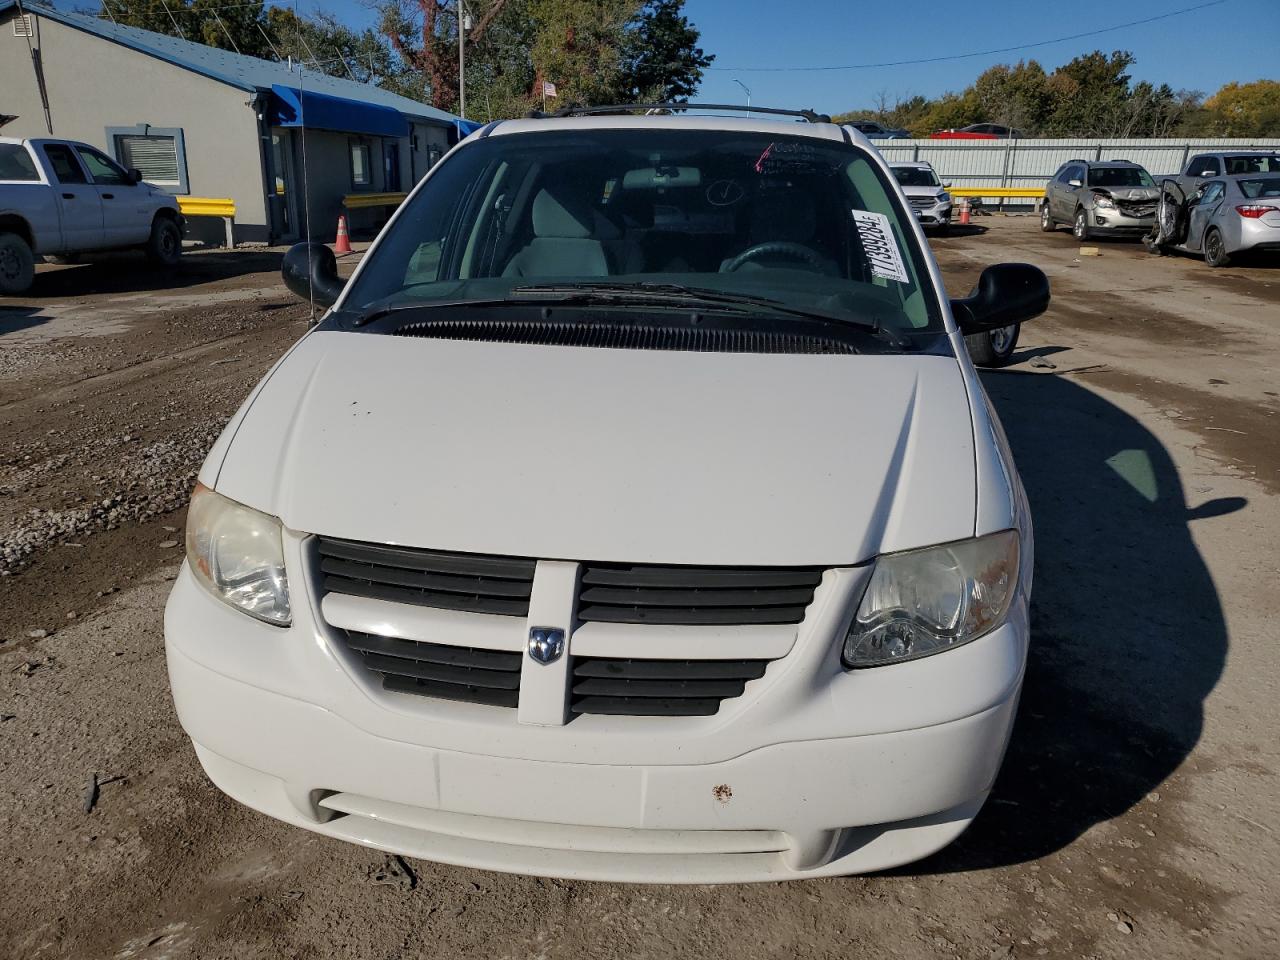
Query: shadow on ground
[(1128, 635), (18, 317), (131, 272)]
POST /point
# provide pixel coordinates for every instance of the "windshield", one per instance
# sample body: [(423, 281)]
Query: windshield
[(916, 176), (1120, 177), (1263, 187), (810, 224), (1262, 163)]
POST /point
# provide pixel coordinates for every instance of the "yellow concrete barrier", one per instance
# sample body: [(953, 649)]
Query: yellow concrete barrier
[(223, 207), (358, 201)]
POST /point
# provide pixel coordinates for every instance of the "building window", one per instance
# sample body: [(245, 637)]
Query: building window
[(361, 173), (159, 153)]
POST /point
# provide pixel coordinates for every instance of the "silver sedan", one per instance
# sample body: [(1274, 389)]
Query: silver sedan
[(1222, 218)]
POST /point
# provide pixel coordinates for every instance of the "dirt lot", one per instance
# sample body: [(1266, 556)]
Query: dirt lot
[(1138, 813)]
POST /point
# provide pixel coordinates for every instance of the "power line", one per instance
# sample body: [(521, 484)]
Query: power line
[(975, 53)]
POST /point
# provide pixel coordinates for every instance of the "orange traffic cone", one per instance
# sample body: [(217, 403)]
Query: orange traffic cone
[(343, 243), (964, 211)]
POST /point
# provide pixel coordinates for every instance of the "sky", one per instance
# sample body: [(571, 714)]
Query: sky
[(1198, 50)]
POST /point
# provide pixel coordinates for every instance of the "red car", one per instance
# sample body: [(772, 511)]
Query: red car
[(978, 131)]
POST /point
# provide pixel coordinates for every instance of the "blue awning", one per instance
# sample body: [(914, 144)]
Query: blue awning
[(292, 107), (466, 127)]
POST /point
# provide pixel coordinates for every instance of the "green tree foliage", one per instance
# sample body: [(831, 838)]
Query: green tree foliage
[(661, 56), (1244, 110), (325, 44), (240, 27), (1093, 95)]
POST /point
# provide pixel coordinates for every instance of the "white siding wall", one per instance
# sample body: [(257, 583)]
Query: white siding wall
[(1030, 163)]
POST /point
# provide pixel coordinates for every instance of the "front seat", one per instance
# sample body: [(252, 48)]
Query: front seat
[(562, 245)]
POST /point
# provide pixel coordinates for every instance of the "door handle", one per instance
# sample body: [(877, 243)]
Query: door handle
[(68, 196), (108, 196)]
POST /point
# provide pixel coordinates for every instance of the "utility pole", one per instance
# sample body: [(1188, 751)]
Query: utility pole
[(462, 62)]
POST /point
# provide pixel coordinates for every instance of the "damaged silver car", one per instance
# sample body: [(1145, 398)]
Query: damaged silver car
[(1100, 198), (1221, 219)]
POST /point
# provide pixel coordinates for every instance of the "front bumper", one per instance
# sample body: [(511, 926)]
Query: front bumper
[(1118, 223), (279, 725), (938, 215)]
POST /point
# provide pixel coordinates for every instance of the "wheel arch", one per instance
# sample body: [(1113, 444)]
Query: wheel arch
[(13, 223)]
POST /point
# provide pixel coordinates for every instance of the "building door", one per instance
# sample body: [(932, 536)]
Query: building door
[(283, 200), (391, 166)]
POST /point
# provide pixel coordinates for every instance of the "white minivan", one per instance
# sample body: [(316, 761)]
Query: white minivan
[(634, 513)]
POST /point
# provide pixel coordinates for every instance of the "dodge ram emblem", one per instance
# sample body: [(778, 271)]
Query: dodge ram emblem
[(546, 644)]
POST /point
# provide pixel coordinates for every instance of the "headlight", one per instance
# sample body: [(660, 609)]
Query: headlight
[(1104, 203), (944, 197), (925, 601), (237, 555)]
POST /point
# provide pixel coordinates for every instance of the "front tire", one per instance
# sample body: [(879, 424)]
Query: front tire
[(993, 348), (164, 246), (1080, 230), (17, 265), (1215, 250), (1047, 223)]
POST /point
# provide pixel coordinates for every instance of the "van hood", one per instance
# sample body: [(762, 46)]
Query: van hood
[(923, 191), (609, 455)]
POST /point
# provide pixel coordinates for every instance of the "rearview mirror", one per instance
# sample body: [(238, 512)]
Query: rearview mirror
[(135, 175), (310, 271), (1006, 293)]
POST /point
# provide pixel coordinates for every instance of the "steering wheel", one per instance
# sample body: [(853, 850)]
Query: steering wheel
[(774, 248)]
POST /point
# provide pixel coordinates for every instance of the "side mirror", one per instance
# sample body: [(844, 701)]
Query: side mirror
[(135, 175), (1075, 183), (310, 271), (1007, 293)]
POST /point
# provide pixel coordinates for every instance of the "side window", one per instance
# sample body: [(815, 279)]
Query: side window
[(65, 166), (361, 173), (1213, 166), (16, 163), (103, 169), (1212, 192)]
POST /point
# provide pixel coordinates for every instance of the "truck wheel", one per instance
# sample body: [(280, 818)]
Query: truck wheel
[(17, 265), (1215, 251), (164, 247), (993, 348)]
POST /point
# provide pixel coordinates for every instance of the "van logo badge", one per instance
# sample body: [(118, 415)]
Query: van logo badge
[(546, 644)]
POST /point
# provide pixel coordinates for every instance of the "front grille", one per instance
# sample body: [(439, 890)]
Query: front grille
[(726, 596), (1135, 208), (469, 582), (658, 688), (922, 201), (434, 670)]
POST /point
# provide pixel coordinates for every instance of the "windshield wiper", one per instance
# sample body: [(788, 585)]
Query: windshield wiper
[(677, 294)]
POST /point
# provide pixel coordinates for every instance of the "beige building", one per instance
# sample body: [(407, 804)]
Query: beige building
[(205, 122)]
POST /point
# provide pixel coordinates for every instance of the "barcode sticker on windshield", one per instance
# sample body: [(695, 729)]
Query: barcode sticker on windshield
[(880, 245)]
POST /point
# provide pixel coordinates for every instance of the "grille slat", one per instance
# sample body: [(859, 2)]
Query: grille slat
[(647, 707), (465, 582), (721, 596), (426, 598), (489, 677), (433, 652), (423, 580), (652, 688), (668, 669), (453, 691)]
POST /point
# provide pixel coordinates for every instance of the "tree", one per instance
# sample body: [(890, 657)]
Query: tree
[(424, 35), (1245, 110), (240, 27), (1016, 96), (661, 58), (1088, 94), (327, 45), (579, 47)]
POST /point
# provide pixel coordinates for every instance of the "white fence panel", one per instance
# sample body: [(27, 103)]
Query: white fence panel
[(1031, 163)]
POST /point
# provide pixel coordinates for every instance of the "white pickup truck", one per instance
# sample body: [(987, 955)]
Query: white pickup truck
[(59, 198)]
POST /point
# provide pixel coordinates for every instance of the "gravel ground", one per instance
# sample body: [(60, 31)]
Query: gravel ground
[(1137, 814)]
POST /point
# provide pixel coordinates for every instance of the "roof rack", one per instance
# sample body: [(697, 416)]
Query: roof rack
[(811, 116)]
